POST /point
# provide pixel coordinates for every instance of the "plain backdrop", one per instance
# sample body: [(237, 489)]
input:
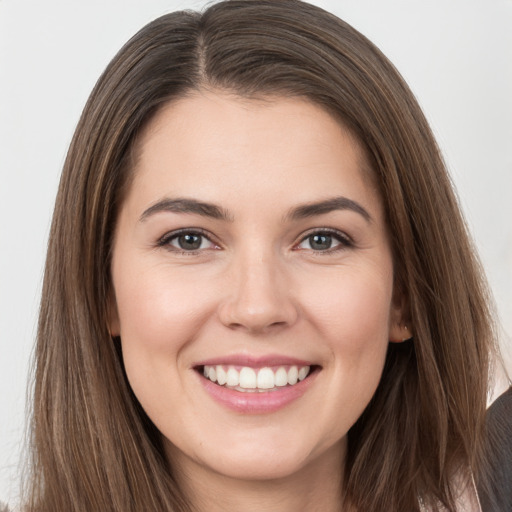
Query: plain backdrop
[(455, 54)]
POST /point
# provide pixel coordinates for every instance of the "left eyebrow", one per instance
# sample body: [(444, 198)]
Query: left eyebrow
[(327, 206), (186, 205)]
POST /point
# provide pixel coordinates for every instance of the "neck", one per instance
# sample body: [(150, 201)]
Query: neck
[(315, 487)]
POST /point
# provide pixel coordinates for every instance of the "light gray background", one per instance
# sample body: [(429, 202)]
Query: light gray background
[(455, 54)]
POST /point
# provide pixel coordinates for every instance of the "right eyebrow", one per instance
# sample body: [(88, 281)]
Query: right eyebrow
[(185, 205), (327, 206)]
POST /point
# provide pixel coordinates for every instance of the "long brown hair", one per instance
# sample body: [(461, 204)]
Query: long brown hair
[(93, 446)]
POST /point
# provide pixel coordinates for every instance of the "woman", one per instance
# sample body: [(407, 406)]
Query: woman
[(259, 292)]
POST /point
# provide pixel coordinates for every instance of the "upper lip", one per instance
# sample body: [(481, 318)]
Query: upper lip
[(254, 361)]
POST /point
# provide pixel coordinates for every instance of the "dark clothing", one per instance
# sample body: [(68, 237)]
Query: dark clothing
[(498, 496)]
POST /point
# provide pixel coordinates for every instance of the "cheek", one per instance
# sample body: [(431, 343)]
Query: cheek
[(159, 315), (157, 310), (351, 307), (352, 314)]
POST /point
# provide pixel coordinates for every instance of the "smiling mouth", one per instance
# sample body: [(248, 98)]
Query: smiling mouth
[(256, 380)]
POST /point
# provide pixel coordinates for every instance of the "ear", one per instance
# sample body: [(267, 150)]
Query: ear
[(113, 326), (399, 329), (399, 332)]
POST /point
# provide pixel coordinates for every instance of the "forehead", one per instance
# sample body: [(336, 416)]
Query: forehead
[(215, 142)]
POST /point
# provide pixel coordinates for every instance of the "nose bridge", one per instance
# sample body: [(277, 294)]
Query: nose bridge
[(258, 295)]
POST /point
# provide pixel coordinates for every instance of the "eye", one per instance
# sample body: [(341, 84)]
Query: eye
[(186, 241), (325, 241)]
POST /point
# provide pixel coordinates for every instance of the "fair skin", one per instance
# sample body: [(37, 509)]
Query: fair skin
[(256, 278)]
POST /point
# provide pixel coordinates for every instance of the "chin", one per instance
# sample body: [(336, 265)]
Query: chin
[(259, 459), (276, 466)]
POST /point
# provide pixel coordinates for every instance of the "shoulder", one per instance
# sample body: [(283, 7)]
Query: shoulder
[(498, 496), (499, 416)]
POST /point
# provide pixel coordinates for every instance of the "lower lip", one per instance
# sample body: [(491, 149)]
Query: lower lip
[(256, 402)]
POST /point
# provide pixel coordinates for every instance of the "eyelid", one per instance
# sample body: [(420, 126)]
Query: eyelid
[(344, 239), (164, 240)]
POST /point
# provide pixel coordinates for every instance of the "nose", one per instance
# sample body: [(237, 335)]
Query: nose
[(258, 296)]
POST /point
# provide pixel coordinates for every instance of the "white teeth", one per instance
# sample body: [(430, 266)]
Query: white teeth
[(253, 379), (293, 375), (247, 378), (221, 375), (281, 378), (266, 378), (233, 377), (303, 373)]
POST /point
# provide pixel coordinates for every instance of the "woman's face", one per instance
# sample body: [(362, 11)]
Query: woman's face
[(252, 248)]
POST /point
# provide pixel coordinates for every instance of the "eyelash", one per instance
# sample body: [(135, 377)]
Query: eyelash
[(165, 241), (345, 242)]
